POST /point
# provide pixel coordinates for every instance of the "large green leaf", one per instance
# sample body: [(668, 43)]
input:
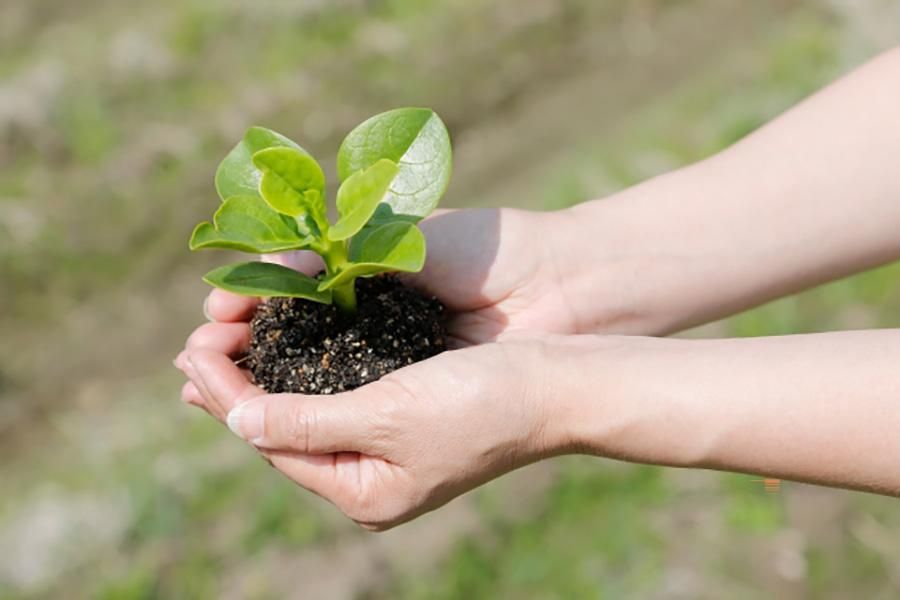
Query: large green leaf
[(248, 224), (292, 182), (415, 139), (398, 246), (359, 196), (266, 279), (237, 175)]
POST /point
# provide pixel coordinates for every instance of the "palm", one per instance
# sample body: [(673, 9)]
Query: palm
[(493, 274)]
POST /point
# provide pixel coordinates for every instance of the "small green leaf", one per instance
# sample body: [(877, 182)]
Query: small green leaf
[(415, 139), (246, 223), (398, 246), (307, 226), (266, 279), (237, 175), (292, 182), (359, 196)]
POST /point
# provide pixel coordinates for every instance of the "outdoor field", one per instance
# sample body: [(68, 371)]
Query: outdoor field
[(113, 117)]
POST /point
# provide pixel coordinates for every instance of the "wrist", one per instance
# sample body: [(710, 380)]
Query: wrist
[(619, 397), (641, 261), (604, 280), (580, 384)]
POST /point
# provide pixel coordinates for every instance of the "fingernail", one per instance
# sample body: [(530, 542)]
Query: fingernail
[(179, 360), (246, 420), (206, 310)]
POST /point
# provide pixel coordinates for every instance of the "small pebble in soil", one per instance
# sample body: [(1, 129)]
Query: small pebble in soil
[(307, 347)]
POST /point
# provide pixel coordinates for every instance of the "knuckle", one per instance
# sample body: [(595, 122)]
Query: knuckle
[(366, 508), (380, 512), (384, 414), (393, 395), (299, 429)]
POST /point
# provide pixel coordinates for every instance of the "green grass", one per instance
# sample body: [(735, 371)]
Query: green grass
[(591, 539)]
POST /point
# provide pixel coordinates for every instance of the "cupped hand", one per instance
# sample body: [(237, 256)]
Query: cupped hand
[(496, 270), (403, 445), (429, 432)]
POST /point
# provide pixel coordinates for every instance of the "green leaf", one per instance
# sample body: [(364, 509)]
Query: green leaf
[(248, 224), (398, 246), (292, 182), (237, 175), (415, 139), (359, 196), (266, 279)]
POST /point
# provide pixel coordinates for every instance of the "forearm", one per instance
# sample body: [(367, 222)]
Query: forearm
[(810, 197), (821, 408)]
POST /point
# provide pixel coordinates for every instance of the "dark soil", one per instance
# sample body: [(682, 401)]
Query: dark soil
[(312, 348)]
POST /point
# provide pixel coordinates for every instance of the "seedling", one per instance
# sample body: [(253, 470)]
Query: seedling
[(394, 168)]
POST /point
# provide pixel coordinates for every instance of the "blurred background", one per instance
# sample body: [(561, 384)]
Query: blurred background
[(113, 116)]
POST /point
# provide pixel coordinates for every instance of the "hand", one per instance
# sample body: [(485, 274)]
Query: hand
[(401, 446), (494, 269), (418, 437)]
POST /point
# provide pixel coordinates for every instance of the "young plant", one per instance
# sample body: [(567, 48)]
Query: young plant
[(393, 168)]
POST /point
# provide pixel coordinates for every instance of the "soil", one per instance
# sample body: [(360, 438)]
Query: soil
[(307, 347)]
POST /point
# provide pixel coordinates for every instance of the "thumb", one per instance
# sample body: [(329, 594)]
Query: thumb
[(307, 424)]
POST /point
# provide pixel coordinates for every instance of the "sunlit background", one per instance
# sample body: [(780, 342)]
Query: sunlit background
[(113, 116)]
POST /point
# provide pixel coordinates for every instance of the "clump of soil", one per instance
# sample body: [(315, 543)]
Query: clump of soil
[(312, 348)]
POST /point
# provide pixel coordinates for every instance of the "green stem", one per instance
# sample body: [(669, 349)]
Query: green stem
[(335, 256), (344, 297)]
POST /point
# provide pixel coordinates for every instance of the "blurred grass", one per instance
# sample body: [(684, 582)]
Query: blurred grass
[(112, 118), (589, 540)]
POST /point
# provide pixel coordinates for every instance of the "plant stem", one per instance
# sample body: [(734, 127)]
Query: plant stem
[(344, 297), (335, 256)]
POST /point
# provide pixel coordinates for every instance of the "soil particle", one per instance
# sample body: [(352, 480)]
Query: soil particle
[(312, 348)]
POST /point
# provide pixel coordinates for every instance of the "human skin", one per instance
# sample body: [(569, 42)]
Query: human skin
[(810, 197)]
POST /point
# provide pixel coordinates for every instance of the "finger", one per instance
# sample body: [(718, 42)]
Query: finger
[(335, 477), (348, 422), (231, 339), (475, 327), (206, 401), (191, 395), (180, 361), (226, 307), (457, 343), (196, 390), (305, 261), (221, 382), (341, 479), (315, 473)]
